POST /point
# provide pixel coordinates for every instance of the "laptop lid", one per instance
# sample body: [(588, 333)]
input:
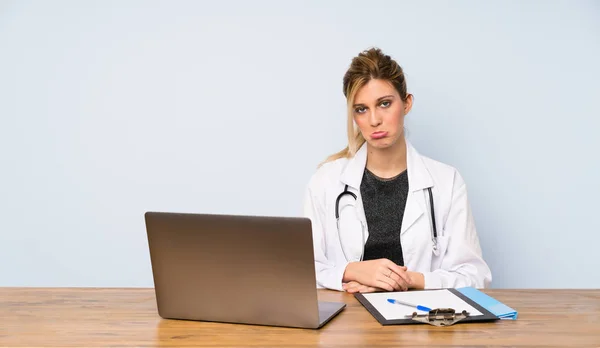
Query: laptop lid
[(237, 269)]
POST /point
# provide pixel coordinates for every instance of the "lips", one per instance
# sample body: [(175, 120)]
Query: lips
[(378, 135)]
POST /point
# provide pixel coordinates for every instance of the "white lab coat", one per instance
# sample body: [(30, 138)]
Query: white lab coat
[(459, 260)]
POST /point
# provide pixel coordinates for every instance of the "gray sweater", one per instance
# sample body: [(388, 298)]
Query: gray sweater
[(384, 201)]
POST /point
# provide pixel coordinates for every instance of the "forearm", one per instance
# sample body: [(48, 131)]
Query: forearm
[(441, 278)]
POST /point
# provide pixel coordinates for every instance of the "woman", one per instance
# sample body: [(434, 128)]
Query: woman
[(385, 238)]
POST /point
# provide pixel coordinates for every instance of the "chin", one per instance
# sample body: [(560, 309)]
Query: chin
[(380, 144)]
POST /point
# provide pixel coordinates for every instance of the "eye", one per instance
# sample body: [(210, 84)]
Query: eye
[(385, 103), (360, 109)]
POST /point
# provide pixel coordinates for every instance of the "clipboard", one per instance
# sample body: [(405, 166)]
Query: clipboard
[(479, 315)]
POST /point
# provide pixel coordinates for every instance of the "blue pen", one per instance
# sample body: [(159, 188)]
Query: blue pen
[(419, 307)]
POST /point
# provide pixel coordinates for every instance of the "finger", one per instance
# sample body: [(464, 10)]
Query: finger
[(348, 284), (357, 289), (349, 288), (401, 283), (366, 289), (404, 268), (353, 290), (392, 282), (400, 271), (385, 285), (354, 287), (383, 274), (387, 275)]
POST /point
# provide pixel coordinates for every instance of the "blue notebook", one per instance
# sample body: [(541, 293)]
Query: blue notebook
[(497, 308)]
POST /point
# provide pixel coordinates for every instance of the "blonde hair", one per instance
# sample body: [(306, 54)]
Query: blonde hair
[(367, 65)]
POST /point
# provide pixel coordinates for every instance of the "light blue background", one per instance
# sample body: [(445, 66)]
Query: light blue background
[(109, 109)]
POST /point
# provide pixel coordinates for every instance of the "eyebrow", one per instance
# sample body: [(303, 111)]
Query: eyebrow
[(378, 99)]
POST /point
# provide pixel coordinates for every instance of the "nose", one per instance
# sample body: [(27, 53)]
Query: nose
[(374, 118)]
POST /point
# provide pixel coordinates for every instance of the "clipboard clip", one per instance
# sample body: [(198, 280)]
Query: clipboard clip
[(439, 317)]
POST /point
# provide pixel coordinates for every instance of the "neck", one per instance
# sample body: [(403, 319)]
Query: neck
[(388, 162)]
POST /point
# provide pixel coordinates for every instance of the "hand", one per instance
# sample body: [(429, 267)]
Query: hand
[(381, 273), (418, 280), (354, 287)]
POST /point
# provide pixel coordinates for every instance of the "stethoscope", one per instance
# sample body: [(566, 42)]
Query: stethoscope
[(353, 195)]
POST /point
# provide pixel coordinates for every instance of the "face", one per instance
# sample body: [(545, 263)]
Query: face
[(379, 113)]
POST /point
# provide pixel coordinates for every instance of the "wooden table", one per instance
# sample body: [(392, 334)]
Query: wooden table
[(127, 317)]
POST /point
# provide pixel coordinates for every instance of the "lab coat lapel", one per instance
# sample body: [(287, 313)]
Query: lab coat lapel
[(352, 176), (353, 173), (419, 178)]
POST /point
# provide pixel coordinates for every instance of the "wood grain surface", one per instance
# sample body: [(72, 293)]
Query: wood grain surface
[(98, 317)]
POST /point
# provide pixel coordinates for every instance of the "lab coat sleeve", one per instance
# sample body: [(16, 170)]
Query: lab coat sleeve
[(328, 274), (462, 264)]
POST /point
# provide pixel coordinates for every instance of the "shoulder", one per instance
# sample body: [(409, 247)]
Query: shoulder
[(443, 173), (325, 178), (327, 175), (449, 187)]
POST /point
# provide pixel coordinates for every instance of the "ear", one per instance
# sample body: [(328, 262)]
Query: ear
[(408, 103)]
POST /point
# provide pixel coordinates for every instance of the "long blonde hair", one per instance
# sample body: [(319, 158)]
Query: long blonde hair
[(367, 65)]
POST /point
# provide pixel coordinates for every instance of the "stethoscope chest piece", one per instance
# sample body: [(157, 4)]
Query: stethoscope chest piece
[(435, 247)]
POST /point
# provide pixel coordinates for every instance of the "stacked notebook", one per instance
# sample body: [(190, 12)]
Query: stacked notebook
[(496, 307)]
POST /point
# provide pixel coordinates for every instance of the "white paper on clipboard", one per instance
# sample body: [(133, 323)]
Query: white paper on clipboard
[(429, 298)]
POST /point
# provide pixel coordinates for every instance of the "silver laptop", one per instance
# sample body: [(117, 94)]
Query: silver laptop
[(236, 269)]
